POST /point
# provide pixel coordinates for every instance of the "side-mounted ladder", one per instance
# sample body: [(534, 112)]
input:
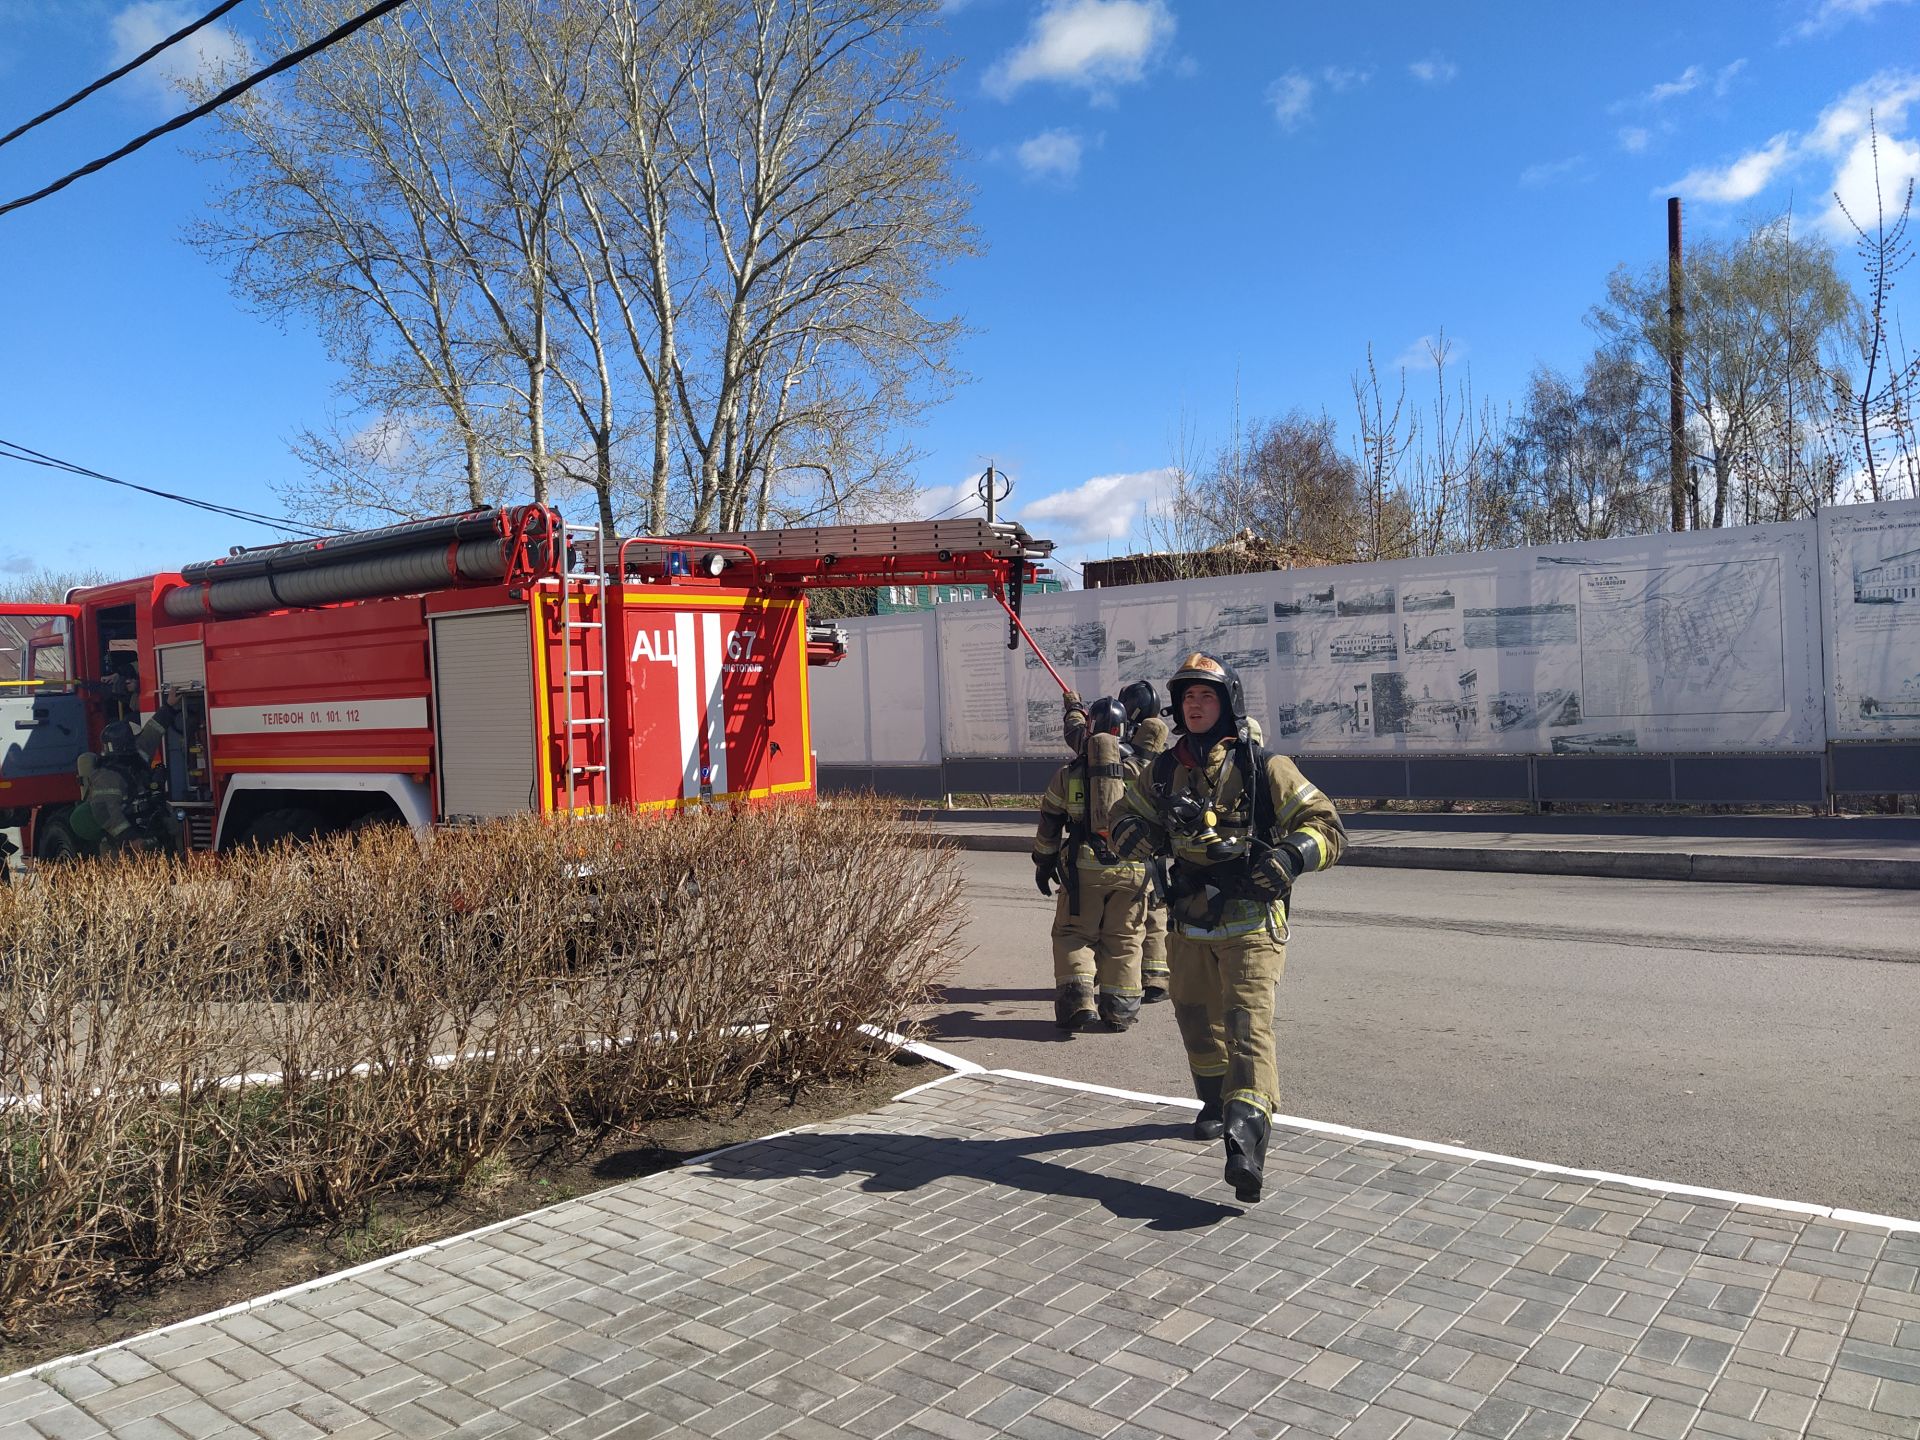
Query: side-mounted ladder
[(583, 716)]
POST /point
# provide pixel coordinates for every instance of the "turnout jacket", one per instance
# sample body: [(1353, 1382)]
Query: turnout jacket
[(1292, 812), (1063, 809)]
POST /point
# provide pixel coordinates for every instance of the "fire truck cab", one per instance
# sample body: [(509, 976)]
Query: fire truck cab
[(454, 669)]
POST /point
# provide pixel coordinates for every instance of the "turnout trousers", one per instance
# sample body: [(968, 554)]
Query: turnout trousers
[(1101, 944), (1223, 995), (1153, 944)]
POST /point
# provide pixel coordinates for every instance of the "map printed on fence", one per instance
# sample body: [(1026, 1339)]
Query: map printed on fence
[(1683, 640)]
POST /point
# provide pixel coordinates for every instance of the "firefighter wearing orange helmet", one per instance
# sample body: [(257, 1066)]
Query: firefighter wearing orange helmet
[(1241, 825)]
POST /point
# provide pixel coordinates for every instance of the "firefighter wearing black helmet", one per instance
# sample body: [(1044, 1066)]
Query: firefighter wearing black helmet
[(1241, 825), (122, 806), (1100, 910), (1146, 736)]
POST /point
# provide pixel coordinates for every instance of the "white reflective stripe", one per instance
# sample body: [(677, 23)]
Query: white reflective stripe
[(713, 662), (686, 679), (1300, 797), (287, 717)]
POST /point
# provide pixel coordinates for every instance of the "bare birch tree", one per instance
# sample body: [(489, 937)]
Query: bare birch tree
[(1882, 404), (681, 253), (822, 170)]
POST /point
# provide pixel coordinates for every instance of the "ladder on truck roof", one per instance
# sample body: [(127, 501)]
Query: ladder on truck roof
[(910, 552), (581, 725)]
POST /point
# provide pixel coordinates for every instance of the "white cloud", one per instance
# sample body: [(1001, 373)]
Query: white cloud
[(1104, 509), (1832, 14), (1841, 139), (1887, 97), (1548, 171), (1666, 90), (12, 564), (1863, 192), (1742, 179), (209, 50), (1723, 79), (1051, 155), (1342, 78), (1434, 70), (1095, 44), (1291, 97), (1633, 139)]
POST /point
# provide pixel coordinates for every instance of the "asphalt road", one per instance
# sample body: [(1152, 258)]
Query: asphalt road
[(1752, 1038)]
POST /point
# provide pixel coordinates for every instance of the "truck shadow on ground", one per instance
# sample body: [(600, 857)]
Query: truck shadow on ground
[(894, 1164)]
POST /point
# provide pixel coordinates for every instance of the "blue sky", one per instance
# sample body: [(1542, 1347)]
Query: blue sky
[(1183, 204)]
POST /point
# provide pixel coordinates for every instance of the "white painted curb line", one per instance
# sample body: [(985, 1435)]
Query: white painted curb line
[(1544, 1167)]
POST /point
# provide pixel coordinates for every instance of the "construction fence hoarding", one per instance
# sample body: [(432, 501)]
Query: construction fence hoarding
[(1759, 640)]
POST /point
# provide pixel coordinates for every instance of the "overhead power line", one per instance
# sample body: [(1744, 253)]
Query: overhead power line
[(126, 69), (234, 91), (10, 450)]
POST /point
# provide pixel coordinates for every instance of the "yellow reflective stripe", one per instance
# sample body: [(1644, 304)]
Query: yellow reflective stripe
[(1307, 842), (1249, 1097)]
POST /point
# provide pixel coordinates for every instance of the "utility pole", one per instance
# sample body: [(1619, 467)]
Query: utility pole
[(1676, 349), (992, 488)]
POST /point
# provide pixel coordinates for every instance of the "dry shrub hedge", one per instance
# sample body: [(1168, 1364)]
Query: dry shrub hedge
[(585, 975)]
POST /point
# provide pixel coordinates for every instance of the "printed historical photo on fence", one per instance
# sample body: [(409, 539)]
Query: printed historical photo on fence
[(1307, 603), (1376, 600), (1521, 627)]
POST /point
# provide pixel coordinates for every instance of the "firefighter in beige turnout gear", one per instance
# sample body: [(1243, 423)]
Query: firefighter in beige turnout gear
[(1147, 736), (1101, 906), (1241, 825)]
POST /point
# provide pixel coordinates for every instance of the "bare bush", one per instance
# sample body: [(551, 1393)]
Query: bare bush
[(422, 1010)]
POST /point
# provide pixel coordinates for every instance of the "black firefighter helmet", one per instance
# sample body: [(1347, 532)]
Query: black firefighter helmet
[(1140, 700), (1201, 669), (1106, 717), (117, 739)]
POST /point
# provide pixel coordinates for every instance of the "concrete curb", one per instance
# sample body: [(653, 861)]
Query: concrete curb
[(1866, 874)]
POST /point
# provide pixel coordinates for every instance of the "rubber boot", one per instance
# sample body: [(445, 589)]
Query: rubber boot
[(1153, 989), (1118, 1012), (1246, 1131), (1073, 1007), (1209, 1124)]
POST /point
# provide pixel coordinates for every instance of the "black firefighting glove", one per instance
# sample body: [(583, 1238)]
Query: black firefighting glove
[(1045, 868), (1273, 872)]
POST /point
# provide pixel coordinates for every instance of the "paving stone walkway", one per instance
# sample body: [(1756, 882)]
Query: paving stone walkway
[(997, 1257)]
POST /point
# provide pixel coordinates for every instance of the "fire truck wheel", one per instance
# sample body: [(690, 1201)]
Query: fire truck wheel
[(54, 840), (295, 823)]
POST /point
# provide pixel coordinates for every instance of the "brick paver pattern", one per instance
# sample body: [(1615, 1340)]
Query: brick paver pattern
[(997, 1257)]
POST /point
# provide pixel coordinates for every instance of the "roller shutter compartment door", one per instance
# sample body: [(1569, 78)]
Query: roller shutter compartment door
[(483, 708), (182, 664)]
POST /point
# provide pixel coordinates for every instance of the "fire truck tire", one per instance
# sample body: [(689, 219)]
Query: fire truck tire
[(293, 822), (53, 839)]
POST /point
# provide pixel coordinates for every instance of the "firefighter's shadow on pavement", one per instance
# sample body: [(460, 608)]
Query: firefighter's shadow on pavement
[(895, 1164), (979, 1025), (967, 1014)]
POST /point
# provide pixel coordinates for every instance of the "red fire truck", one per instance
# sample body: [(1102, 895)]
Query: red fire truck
[(455, 669)]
